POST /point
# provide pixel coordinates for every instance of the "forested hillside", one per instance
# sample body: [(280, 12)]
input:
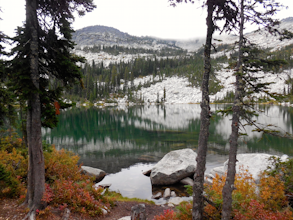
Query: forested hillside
[(118, 62), (102, 81)]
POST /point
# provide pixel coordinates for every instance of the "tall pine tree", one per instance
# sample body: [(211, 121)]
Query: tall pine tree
[(42, 68), (246, 83), (217, 10)]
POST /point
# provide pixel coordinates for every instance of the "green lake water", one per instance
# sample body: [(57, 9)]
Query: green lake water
[(124, 141)]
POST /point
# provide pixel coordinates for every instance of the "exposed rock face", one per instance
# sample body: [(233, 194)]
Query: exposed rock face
[(254, 163), (99, 174), (108, 36), (173, 167)]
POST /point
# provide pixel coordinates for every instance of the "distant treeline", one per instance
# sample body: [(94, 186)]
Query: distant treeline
[(115, 50)]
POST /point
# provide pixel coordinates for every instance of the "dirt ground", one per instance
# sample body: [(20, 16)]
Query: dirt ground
[(9, 210)]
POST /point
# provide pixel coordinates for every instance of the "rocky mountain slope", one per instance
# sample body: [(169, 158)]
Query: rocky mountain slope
[(178, 89), (108, 36), (102, 35)]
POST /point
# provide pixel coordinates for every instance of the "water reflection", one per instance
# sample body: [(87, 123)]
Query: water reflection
[(124, 141), (114, 138)]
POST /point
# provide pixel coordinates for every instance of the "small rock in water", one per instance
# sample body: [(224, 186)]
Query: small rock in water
[(167, 193), (187, 181), (147, 173), (173, 194), (175, 200), (98, 173), (106, 185), (157, 196)]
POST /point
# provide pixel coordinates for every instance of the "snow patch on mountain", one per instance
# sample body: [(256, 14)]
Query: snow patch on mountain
[(179, 91), (108, 58)]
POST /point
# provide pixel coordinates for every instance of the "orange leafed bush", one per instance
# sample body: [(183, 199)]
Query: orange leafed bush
[(272, 192), (167, 215), (185, 211), (62, 164), (14, 162), (257, 210), (80, 197), (245, 191), (68, 187), (11, 141)]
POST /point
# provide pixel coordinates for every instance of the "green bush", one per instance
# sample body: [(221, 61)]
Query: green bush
[(9, 186)]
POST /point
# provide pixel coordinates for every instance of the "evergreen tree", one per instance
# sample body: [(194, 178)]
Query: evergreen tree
[(6, 97), (42, 57), (217, 10), (246, 83)]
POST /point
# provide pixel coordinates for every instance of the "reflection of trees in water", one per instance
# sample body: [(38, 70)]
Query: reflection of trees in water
[(142, 134), (271, 144), (98, 125)]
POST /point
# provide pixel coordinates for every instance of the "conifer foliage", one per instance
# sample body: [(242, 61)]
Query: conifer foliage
[(42, 68), (6, 97)]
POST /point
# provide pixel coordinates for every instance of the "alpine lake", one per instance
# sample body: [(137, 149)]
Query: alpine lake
[(126, 141)]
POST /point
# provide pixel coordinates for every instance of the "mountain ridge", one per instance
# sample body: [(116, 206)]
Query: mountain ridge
[(109, 36)]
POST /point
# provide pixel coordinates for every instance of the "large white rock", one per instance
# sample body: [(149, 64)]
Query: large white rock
[(173, 167), (98, 173), (254, 163)]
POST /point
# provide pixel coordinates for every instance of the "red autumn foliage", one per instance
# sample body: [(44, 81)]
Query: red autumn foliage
[(257, 210), (167, 215)]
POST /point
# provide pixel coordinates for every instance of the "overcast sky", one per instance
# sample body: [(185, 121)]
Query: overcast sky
[(136, 17)]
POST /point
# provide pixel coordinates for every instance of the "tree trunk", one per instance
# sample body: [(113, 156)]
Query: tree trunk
[(198, 202), (36, 170), (237, 110)]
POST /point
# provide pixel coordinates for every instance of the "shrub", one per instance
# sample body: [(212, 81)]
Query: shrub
[(7, 143), (167, 215), (245, 191), (9, 186), (79, 197), (68, 187), (15, 163), (257, 210), (284, 171), (62, 164), (184, 211), (271, 192)]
